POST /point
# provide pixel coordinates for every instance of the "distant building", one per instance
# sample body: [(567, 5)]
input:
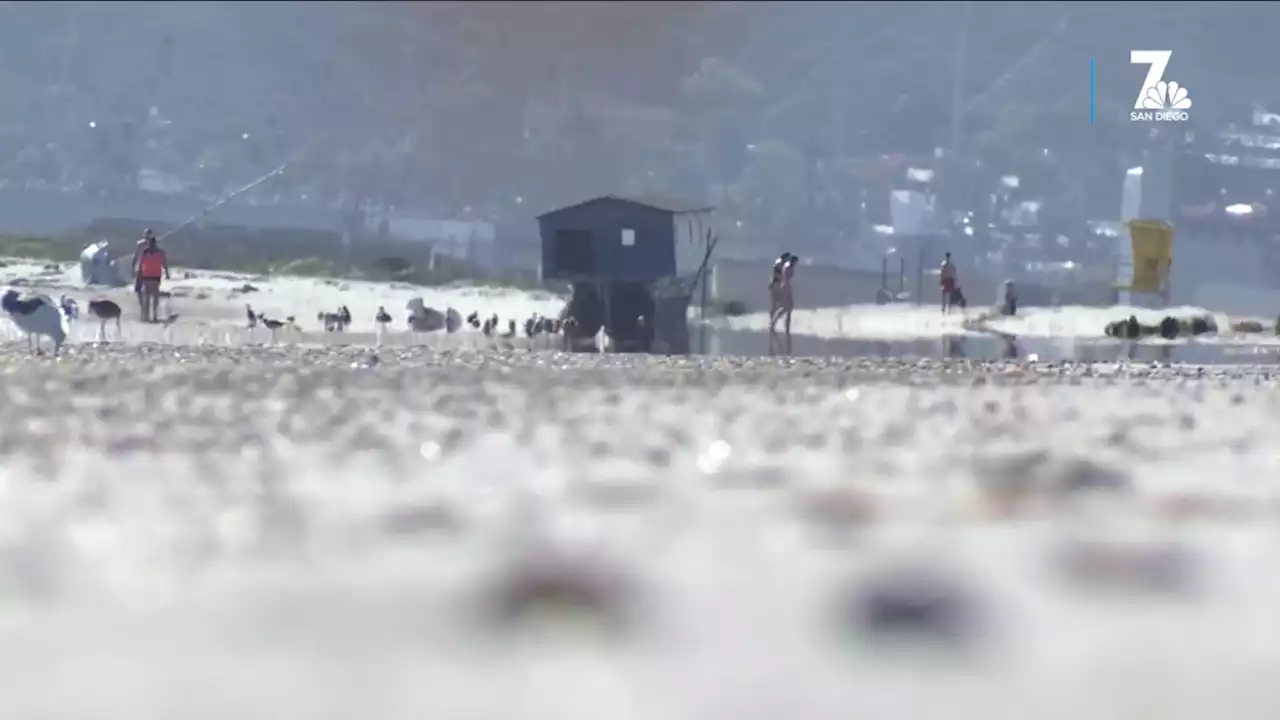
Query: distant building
[(471, 240), (635, 265)]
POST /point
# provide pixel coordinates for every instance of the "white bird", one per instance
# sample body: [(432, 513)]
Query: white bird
[(69, 307), (36, 315), (383, 319)]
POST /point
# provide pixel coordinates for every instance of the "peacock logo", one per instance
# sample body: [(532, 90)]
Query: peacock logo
[(1166, 96)]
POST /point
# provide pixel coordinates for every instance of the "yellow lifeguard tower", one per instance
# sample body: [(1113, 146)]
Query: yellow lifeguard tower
[(1149, 259)]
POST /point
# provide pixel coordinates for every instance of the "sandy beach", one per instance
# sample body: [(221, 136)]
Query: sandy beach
[(216, 529), (210, 306)]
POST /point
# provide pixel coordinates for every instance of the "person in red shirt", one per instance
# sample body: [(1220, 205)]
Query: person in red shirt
[(147, 236), (152, 265)]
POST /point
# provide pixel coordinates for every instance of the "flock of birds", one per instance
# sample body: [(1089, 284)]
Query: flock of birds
[(39, 316), (420, 319)]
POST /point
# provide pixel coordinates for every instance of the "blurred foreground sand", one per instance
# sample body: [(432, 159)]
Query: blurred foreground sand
[(260, 532)]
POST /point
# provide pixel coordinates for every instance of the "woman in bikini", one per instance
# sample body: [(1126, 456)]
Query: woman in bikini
[(781, 302)]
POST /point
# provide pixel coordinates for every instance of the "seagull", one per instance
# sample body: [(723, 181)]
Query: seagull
[(275, 325), (36, 315), (105, 310), (383, 318), (253, 319), (167, 324), (272, 325), (69, 307)]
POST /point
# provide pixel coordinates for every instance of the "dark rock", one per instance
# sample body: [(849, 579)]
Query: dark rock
[(912, 600), (573, 584), (1134, 566)]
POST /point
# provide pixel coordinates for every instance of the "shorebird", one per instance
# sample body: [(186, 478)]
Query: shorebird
[(383, 319), (273, 325), (69, 307), (452, 320), (36, 315), (332, 321), (253, 318), (105, 310)]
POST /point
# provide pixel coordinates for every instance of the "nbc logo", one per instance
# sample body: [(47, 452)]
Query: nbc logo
[(1166, 96), (1158, 101)]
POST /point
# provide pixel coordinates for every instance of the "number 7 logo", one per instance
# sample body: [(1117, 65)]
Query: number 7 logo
[(1158, 61)]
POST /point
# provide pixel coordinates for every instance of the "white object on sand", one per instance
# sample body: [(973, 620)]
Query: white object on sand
[(97, 267), (37, 315)]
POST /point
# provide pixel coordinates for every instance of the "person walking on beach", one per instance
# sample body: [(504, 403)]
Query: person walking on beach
[(1010, 306), (152, 265), (781, 302), (147, 236), (948, 282)]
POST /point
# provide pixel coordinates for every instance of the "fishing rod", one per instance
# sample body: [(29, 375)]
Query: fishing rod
[(225, 199), (215, 205)]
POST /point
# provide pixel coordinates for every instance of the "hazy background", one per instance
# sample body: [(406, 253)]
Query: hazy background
[(794, 119)]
